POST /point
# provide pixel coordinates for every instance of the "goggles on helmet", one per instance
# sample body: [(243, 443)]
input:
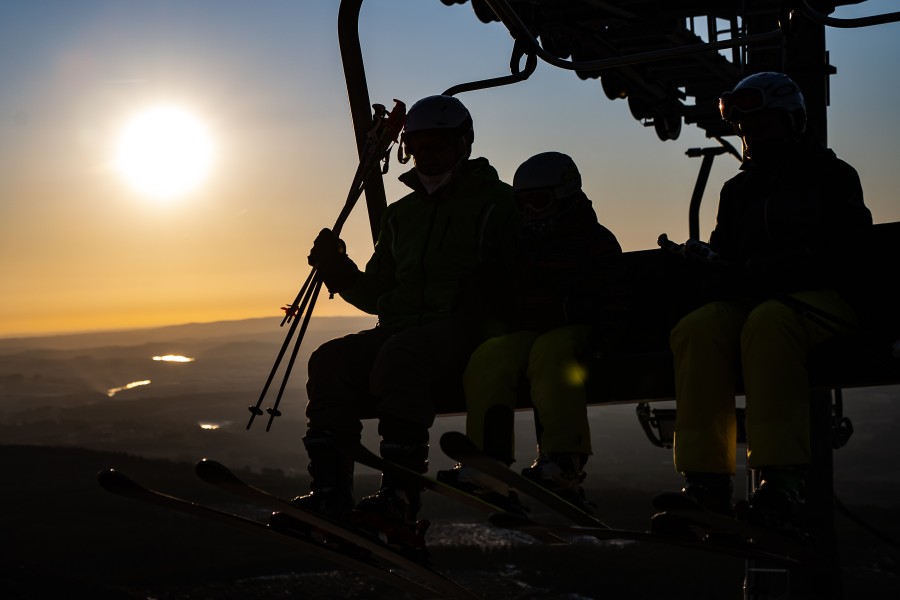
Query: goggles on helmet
[(534, 201), (741, 102)]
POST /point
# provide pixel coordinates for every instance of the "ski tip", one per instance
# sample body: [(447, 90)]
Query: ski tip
[(452, 440), (208, 469), (114, 481)]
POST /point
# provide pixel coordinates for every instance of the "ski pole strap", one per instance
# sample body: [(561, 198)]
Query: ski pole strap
[(396, 120), (386, 130)]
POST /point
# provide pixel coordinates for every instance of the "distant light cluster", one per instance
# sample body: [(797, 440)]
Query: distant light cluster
[(173, 358), (112, 392)]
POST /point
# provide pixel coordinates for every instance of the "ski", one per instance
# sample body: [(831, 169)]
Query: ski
[(460, 448), (220, 476), (120, 484), (743, 550), (677, 507), (364, 456)]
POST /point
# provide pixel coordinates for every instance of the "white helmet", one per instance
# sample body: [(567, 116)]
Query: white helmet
[(764, 91), (439, 112), (553, 171)]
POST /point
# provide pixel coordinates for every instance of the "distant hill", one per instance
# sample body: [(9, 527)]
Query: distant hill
[(263, 326)]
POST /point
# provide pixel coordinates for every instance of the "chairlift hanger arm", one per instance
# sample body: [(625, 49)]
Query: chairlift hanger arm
[(810, 13), (360, 107), (516, 76), (520, 32)]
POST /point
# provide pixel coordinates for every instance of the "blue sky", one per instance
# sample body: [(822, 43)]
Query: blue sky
[(80, 250)]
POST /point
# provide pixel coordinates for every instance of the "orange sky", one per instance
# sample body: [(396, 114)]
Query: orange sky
[(82, 250)]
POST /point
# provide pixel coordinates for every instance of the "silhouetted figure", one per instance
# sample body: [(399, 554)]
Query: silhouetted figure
[(787, 227), (458, 219), (561, 297)]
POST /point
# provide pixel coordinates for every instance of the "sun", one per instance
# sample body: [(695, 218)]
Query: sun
[(164, 153)]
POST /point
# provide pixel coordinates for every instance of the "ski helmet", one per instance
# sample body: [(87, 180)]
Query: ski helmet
[(440, 112), (764, 91), (546, 187), (553, 171)]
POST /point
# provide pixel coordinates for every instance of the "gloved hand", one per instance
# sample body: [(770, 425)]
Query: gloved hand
[(698, 250), (329, 256), (327, 248)]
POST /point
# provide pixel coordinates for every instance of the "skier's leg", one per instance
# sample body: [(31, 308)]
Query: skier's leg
[(774, 345), (409, 370), (557, 379), (491, 384), (338, 397), (331, 476), (705, 347)]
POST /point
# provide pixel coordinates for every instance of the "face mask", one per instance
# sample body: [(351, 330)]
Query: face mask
[(768, 154), (434, 182)]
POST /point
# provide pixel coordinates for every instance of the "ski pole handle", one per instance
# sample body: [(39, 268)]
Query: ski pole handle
[(385, 132)]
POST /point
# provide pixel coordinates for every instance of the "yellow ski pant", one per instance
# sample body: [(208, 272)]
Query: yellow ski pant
[(556, 380), (767, 343)]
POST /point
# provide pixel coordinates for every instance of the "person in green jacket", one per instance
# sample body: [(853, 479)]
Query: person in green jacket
[(458, 221)]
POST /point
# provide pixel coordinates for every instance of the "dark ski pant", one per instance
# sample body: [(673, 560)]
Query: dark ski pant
[(394, 375)]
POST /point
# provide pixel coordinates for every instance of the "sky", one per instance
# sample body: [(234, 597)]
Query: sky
[(85, 248)]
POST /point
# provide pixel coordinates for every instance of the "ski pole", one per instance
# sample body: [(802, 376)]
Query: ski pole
[(256, 410), (384, 132), (273, 410)]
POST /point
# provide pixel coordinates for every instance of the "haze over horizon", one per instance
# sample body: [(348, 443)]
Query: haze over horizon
[(103, 227)]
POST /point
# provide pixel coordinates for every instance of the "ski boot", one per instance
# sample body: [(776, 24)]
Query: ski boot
[(476, 483), (331, 486), (703, 492), (778, 503), (390, 515), (562, 474), (331, 502)]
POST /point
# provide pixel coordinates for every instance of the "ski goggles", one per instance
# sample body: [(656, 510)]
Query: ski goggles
[(534, 201), (430, 140), (743, 101)]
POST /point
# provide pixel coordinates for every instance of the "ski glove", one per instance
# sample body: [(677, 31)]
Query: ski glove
[(329, 256)]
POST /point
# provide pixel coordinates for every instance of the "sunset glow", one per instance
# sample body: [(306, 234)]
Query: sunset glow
[(166, 166)]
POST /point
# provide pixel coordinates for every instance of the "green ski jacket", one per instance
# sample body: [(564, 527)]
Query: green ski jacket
[(431, 246)]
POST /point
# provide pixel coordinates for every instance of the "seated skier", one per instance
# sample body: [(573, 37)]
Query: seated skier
[(787, 226), (457, 213), (563, 300)]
